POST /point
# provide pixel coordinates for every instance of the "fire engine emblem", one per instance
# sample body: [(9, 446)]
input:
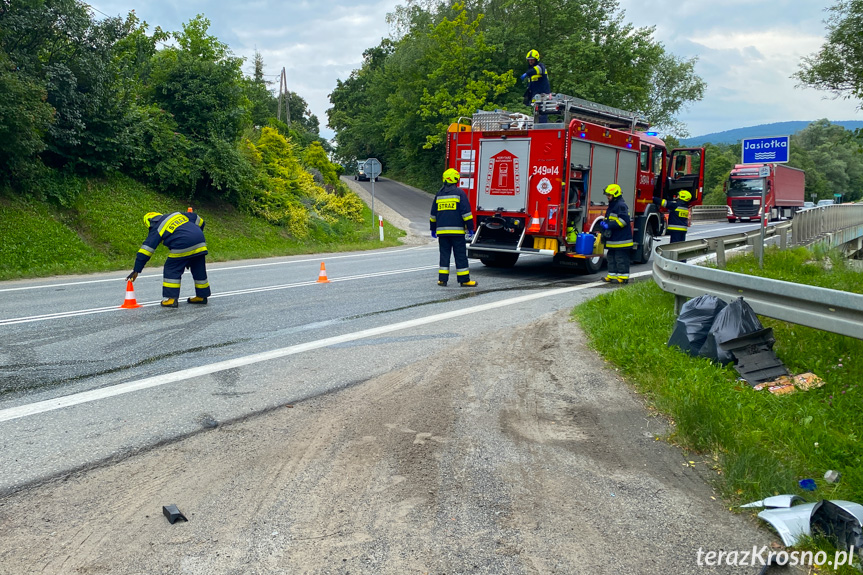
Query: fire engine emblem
[(502, 175), (544, 186)]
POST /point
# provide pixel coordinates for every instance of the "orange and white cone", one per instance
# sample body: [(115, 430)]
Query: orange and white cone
[(322, 276), (130, 302), (535, 224)]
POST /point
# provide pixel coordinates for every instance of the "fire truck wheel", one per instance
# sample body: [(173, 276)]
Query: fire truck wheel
[(499, 260), (644, 251), (592, 265)]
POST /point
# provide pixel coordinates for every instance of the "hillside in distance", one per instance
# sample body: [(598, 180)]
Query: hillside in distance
[(761, 131)]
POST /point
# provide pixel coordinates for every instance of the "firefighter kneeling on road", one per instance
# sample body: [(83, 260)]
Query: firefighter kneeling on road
[(451, 219), (678, 215), (183, 234), (617, 234)]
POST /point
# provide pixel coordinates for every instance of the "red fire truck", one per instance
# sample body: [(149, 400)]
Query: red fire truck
[(536, 188)]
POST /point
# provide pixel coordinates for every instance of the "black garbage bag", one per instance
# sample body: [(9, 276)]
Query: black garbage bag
[(693, 323), (736, 320)]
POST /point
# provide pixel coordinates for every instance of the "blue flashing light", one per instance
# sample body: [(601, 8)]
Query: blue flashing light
[(652, 133), (628, 145), (583, 135)]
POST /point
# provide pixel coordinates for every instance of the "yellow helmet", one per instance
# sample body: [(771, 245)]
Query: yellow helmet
[(684, 195), (149, 216), (613, 190), (451, 176), (533, 54)]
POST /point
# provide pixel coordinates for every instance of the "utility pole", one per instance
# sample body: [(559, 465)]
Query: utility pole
[(283, 97)]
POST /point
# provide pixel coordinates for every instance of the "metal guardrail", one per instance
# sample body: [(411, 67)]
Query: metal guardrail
[(709, 212), (820, 308), (845, 223)]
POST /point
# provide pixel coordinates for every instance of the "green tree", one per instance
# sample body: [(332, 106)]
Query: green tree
[(719, 159), (316, 157), (262, 103), (832, 159), (24, 120), (838, 65), (200, 83), (458, 82)]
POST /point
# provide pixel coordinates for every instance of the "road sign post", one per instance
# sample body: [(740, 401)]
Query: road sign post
[(372, 168), (773, 150)]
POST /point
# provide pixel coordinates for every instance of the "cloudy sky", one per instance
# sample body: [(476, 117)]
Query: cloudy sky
[(746, 49)]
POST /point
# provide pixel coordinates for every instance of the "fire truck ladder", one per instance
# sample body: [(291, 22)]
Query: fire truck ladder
[(589, 112)]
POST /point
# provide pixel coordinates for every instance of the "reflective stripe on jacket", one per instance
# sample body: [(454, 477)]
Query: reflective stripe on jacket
[(617, 215), (450, 211), (678, 214), (182, 234)]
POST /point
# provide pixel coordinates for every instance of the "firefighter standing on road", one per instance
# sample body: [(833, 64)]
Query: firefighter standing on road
[(618, 235), (451, 219), (183, 235), (678, 215)]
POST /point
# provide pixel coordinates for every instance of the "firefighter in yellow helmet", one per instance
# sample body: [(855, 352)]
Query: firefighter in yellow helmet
[(183, 235), (537, 78), (678, 215), (617, 232), (452, 224)]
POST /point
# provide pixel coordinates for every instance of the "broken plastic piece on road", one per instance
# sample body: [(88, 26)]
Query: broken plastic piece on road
[(807, 484), (173, 514), (774, 501)]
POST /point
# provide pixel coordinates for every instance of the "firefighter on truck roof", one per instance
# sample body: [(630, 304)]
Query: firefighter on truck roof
[(183, 235), (450, 220), (617, 234)]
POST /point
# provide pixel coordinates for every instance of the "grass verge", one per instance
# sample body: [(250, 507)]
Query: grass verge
[(758, 444)]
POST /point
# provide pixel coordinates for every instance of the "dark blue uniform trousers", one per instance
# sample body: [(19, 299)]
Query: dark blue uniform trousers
[(453, 244), (173, 272)]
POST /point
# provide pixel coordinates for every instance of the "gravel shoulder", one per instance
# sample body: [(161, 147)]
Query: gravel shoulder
[(516, 452)]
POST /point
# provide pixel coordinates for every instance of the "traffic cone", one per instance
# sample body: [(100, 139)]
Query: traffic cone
[(130, 302), (535, 224), (322, 276)]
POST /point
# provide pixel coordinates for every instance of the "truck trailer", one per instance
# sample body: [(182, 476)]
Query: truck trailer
[(783, 189), (537, 188)]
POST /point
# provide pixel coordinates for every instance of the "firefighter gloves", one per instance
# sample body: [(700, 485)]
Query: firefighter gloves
[(434, 234), (132, 276)]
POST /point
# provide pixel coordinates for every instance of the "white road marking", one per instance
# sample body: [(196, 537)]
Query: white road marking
[(214, 268), (64, 314), (128, 387)]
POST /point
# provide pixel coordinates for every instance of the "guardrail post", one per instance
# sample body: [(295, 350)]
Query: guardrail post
[(755, 242), (720, 253), (679, 300), (783, 239)]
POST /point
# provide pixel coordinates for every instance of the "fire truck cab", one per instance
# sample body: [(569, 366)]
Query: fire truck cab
[(537, 188)]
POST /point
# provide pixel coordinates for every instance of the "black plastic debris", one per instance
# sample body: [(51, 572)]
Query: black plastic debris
[(839, 524), (173, 514), (734, 320), (693, 323), (754, 358)]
